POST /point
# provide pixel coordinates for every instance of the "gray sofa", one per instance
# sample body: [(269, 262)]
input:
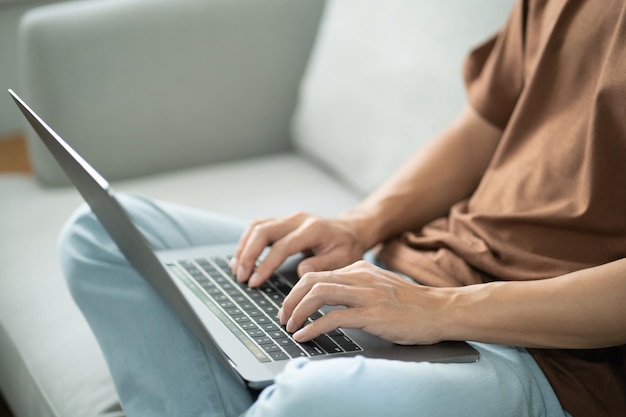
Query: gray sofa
[(247, 107), (11, 12)]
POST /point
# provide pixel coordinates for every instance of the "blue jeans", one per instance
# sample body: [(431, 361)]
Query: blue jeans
[(160, 369)]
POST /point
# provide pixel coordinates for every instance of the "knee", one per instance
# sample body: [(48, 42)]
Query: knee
[(316, 388), (83, 243), (83, 239)]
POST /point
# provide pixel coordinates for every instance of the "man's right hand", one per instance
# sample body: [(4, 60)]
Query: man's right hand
[(332, 244)]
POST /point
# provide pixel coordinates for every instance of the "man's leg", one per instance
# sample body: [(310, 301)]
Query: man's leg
[(158, 366), (505, 382)]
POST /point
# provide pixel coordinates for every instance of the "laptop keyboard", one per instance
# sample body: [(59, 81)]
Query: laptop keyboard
[(251, 313)]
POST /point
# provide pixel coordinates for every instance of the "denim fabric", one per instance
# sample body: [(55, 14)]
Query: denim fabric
[(160, 369)]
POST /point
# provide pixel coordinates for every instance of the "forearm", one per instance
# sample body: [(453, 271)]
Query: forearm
[(580, 310), (430, 182)]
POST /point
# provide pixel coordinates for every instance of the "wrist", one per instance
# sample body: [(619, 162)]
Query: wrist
[(457, 313), (364, 225)]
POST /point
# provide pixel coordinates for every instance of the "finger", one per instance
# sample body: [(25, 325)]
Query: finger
[(305, 285), (307, 282), (298, 292), (261, 236), (322, 294), (243, 241), (298, 240), (350, 318)]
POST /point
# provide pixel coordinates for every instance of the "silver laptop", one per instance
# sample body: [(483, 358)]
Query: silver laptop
[(238, 324)]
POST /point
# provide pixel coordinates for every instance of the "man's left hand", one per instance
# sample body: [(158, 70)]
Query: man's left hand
[(377, 301)]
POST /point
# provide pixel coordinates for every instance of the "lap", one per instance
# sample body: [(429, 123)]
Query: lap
[(505, 381), (164, 225)]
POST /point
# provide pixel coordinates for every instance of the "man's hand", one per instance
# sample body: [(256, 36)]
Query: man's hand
[(572, 311), (332, 243), (377, 301)]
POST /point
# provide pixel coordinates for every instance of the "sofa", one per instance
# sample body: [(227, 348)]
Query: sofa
[(251, 108), (11, 12)]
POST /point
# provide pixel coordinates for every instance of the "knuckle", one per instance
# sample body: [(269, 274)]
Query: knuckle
[(259, 230), (256, 222), (313, 222), (357, 267), (298, 215), (308, 278), (361, 264), (319, 290)]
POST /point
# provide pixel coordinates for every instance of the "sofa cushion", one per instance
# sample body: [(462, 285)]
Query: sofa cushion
[(384, 77)]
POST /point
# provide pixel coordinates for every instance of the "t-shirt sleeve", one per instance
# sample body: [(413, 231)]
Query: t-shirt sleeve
[(494, 71)]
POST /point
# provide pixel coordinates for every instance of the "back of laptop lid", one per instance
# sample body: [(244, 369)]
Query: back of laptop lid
[(98, 194)]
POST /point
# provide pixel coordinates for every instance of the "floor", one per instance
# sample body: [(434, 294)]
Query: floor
[(13, 154), (13, 158)]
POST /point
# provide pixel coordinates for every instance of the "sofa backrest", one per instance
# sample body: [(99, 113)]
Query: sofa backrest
[(145, 86), (384, 77)]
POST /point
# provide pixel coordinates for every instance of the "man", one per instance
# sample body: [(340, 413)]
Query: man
[(512, 220)]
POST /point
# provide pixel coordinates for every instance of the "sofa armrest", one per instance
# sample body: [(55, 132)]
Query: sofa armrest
[(146, 86)]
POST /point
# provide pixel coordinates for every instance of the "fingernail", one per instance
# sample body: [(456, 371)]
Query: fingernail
[(299, 335), (254, 280), (234, 265), (280, 315)]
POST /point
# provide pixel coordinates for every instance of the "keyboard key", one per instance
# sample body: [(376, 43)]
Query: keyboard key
[(283, 288), (342, 340), (255, 313), (277, 334), (262, 320), (271, 311), (247, 306), (327, 344), (270, 327), (269, 348), (312, 349), (334, 333), (241, 319), (294, 351), (234, 311), (278, 356), (285, 342), (351, 347), (226, 304), (263, 340), (346, 343), (255, 332)]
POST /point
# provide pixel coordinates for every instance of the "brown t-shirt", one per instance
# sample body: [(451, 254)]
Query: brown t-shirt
[(553, 199)]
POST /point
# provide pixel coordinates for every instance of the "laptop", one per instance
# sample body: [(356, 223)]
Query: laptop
[(236, 323)]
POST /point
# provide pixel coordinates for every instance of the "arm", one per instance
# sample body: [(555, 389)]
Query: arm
[(424, 188), (433, 179), (580, 310)]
